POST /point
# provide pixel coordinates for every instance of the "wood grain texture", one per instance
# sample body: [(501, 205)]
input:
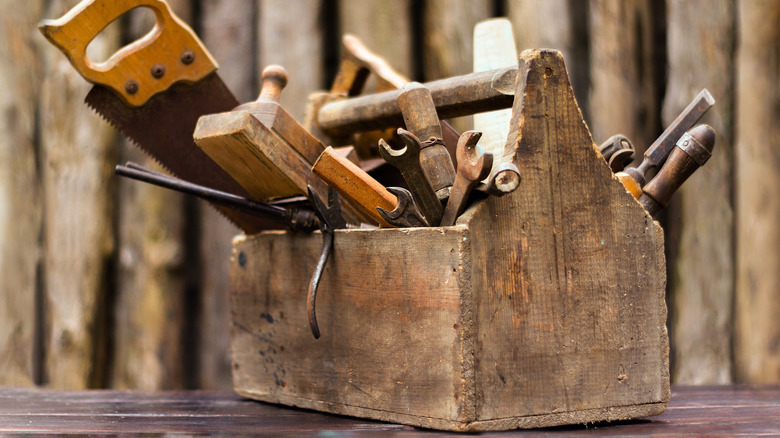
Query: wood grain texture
[(570, 276), (693, 410), (290, 34), (150, 278), (20, 192), (392, 353), (448, 40), (555, 294), (560, 25), (76, 149), (229, 29), (385, 28), (702, 289), (624, 96), (757, 341)]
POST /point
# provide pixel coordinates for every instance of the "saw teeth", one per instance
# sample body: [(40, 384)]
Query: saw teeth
[(150, 155)]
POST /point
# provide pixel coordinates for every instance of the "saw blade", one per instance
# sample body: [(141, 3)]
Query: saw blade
[(163, 128)]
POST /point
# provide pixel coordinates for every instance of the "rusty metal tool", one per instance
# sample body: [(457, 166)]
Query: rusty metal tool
[(618, 151), (692, 150), (634, 178), (453, 97), (503, 179), (473, 166), (154, 90), (357, 64), (330, 220), (407, 160), (421, 119), (354, 184), (293, 218), (405, 214)]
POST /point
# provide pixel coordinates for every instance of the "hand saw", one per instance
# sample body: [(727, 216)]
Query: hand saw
[(154, 90)]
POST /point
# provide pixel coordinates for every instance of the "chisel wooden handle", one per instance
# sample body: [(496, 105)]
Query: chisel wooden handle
[(141, 69), (691, 152), (354, 184)]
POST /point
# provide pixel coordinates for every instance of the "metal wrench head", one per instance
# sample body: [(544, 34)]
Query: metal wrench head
[(472, 163), (410, 153), (405, 213)]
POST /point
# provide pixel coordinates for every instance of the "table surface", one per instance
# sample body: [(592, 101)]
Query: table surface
[(712, 410)]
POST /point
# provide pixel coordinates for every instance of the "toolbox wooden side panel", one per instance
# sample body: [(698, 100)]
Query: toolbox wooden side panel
[(568, 275), (394, 308)]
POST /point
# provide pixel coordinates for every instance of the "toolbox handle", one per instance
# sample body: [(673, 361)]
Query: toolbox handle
[(169, 53)]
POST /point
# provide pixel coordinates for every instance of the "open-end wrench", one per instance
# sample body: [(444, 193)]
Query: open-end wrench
[(330, 220), (406, 213), (407, 160), (473, 167)]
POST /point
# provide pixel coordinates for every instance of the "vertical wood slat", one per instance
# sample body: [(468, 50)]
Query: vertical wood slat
[(703, 284), (757, 352), (290, 34), (228, 30), (623, 94), (20, 197), (76, 148), (384, 27), (553, 24), (447, 38), (148, 308)]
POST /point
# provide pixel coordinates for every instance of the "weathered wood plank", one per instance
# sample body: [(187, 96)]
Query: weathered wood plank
[(559, 25), (385, 28), (20, 191), (76, 151), (568, 272), (543, 307), (625, 73), (148, 308), (701, 42), (447, 38), (290, 34), (228, 28), (711, 411), (757, 337), (393, 353)]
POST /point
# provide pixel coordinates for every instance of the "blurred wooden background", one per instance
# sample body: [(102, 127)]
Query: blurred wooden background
[(112, 283)]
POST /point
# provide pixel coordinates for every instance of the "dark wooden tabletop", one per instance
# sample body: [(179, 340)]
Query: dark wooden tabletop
[(712, 410)]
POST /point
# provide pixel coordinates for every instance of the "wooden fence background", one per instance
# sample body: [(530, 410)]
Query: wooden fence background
[(111, 283)]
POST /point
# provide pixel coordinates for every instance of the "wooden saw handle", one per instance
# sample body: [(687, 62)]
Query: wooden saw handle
[(170, 53)]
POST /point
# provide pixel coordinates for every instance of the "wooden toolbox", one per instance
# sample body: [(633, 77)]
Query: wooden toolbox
[(539, 308)]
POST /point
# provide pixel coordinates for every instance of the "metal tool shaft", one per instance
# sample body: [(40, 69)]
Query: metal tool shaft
[(295, 219)]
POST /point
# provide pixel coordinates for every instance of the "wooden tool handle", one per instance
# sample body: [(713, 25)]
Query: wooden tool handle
[(354, 184), (274, 80), (692, 150), (419, 111), (170, 53), (357, 62)]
